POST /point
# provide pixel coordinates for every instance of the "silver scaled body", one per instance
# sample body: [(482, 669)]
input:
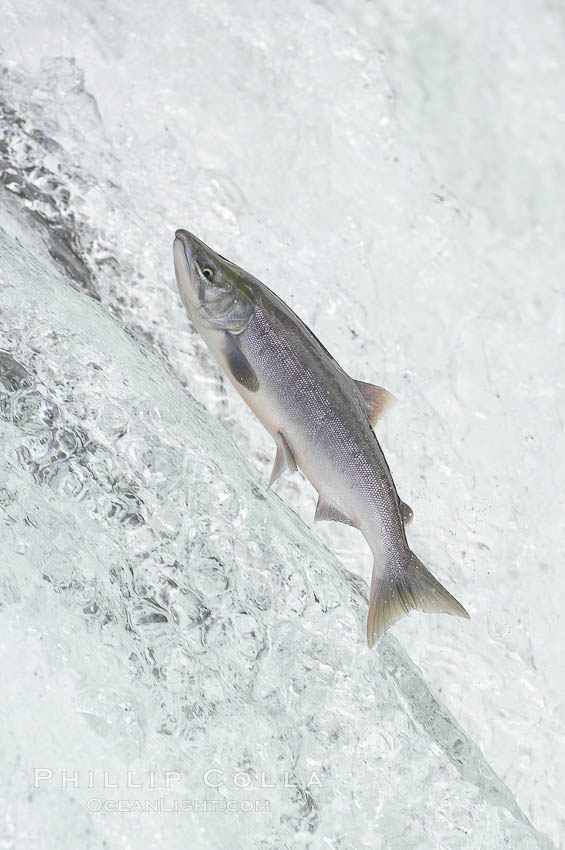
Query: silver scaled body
[(320, 418)]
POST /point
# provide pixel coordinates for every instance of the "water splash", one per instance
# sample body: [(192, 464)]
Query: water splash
[(189, 622)]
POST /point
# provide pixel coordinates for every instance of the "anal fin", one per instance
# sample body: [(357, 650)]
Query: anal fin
[(284, 459), (326, 511)]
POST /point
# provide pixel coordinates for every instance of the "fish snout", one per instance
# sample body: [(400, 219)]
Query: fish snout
[(191, 242), (184, 235), (185, 239), (185, 269)]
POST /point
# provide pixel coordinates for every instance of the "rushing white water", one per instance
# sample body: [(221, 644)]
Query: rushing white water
[(165, 615), (391, 173)]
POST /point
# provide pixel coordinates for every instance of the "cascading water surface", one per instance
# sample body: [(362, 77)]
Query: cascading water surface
[(164, 615), (167, 622)]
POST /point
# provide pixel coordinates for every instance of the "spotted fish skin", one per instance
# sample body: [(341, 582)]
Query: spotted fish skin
[(320, 418)]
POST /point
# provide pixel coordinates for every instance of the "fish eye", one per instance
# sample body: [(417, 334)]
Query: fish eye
[(208, 272)]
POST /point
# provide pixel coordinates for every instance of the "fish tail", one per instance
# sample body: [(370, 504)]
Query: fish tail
[(403, 588)]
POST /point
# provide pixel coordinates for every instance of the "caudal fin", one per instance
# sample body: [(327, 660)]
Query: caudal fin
[(402, 589)]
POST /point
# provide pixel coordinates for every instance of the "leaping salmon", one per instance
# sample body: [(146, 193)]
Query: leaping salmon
[(321, 420)]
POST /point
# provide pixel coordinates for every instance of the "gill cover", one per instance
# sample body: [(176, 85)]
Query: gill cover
[(226, 305), (217, 293)]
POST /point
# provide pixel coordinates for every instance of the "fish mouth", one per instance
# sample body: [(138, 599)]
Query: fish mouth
[(189, 248), (184, 245), (185, 266), (185, 236), (191, 242)]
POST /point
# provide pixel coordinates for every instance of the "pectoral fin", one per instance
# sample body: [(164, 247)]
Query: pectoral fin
[(284, 459), (377, 400), (238, 364), (327, 511)]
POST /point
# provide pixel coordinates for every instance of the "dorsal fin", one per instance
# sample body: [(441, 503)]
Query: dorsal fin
[(376, 399)]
